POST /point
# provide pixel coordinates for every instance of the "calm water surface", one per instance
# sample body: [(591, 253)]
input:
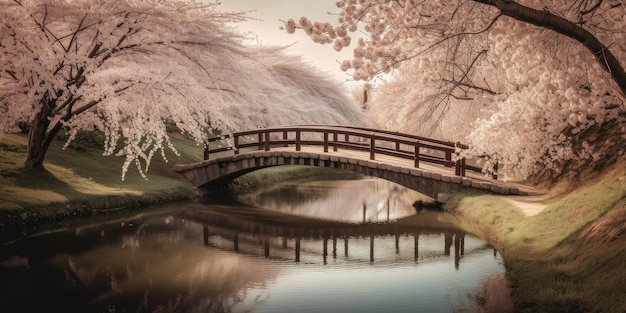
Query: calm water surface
[(292, 247)]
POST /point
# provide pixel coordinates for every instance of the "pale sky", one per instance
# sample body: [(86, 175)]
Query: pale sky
[(268, 16)]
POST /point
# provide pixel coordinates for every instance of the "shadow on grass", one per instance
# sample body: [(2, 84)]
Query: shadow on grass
[(42, 179)]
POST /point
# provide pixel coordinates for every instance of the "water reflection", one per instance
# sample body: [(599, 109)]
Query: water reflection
[(240, 258), (155, 264), (207, 260), (341, 196), (276, 240)]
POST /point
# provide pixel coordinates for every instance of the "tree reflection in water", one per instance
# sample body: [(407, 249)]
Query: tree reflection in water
[(241, 258)]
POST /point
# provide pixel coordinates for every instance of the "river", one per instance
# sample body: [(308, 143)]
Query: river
[(340, 243)]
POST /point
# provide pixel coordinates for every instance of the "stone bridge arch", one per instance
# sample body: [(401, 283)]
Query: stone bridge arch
[(212, 176)]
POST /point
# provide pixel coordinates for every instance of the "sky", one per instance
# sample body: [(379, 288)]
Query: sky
[(267, 17)]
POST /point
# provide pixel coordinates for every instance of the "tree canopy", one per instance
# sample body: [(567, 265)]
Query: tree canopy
[(523, 80), (129, 68)]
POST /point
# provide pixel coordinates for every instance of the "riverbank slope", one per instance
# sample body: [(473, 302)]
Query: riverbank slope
[(564, 252), (79, 183)]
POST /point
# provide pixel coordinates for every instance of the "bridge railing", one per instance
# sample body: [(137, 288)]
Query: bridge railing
[(376, 142)]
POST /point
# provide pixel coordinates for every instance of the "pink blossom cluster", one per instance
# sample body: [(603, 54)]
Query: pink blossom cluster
[(461, 70), (132, 68)]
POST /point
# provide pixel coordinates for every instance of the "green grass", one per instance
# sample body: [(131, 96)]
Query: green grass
[(571, 257), (81, 181)]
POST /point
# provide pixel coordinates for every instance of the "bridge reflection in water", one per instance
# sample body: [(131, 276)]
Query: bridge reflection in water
[(314, 241)]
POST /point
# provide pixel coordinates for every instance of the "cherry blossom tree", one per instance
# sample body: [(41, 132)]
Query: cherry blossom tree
[(522, 79), (130, 67)]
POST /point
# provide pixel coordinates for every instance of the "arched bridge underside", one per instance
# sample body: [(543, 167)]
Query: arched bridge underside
[(213, 175)]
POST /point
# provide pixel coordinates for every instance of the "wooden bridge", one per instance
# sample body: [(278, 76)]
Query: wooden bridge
[(430, 166)]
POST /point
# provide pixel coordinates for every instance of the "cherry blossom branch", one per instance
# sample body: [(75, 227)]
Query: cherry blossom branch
[(603, 55)]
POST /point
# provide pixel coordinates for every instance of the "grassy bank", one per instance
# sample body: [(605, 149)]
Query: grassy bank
[(568, 258), (80, 182), (571, 257)]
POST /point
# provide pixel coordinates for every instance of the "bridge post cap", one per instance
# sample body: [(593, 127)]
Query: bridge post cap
[(385, 167), (415, 172), (372, 164), (395, 168), (466, 181)]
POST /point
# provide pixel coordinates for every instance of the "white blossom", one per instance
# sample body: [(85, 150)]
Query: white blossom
[(128, 68), (518, 93)]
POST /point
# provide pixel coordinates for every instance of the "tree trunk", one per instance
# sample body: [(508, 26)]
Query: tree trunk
[(35, 151), (37, 142)]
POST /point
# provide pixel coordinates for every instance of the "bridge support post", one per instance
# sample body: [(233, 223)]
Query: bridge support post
[(260, 141), (297, 140), (206, 151), (416, 251), (335, 141), (298, 249), (416, 156), (364, 211), (325, 142), (372, 146), (371, 248), (459, 167), (236, 144), (267, 141)]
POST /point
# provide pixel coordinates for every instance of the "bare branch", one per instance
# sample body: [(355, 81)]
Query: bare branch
[(592, 8), (486, 28)]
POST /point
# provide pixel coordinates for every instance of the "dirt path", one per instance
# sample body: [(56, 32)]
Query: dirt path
[(530, 205)]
